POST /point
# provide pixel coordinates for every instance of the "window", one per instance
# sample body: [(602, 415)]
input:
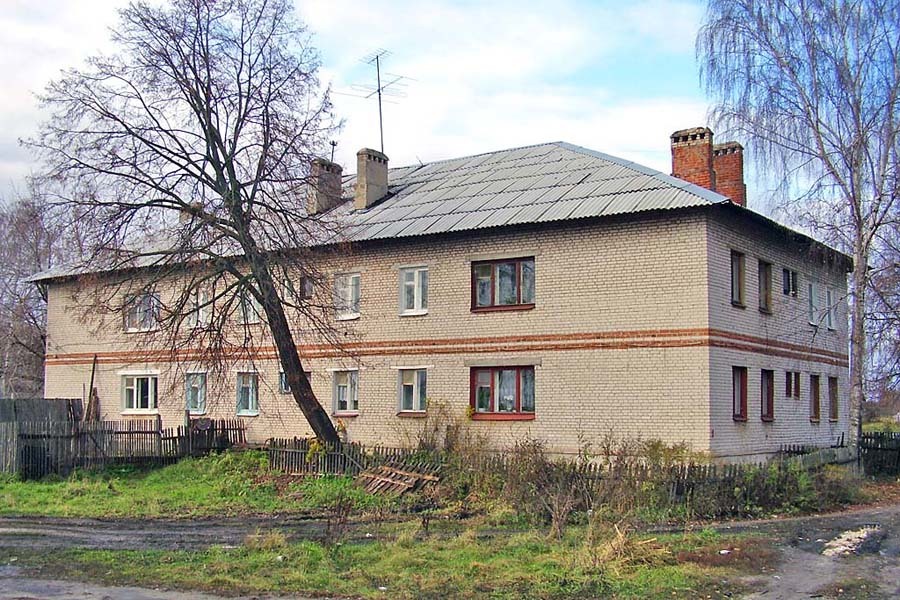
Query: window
[(502, 284), (737, 278), (830, 309), (765, 287), (142, 312), (832, 398), (767, 395), (413, 389), (198, 315), (414, 291), (788, 282), (304, 291), (814, 398), (813, 304), (250, 308), (195, 392), (139, 392), (346, 296), (503, 392), (247, 394), (792, 384), (284, 387), (739, 393), (346, 391)]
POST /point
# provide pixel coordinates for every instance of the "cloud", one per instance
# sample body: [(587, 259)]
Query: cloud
[(484, 75)]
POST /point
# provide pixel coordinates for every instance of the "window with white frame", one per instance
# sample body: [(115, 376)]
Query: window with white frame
[(346, 295), (414, 291), (413, 389), (250, 310), (247, 393), (284, 387), (346, 391), (812, 305), (195, 392), (830, 309), (198, 307), (303, 290), (139, 392), (142, 312)]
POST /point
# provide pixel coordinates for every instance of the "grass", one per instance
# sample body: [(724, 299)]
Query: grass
[(525, 565), (232, 483), (882, 425)]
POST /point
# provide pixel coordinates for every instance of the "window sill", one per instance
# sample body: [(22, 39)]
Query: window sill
[(140, 411), (412, 414), (345, 414), (833, 420), (815, 421), (414, 313), (503, 417), (249, 322), (155, 329), (765, 311), (352, 317), (247, 413), (502, 308), (767, 419), (196, 413), (737, 304), (738, 419)]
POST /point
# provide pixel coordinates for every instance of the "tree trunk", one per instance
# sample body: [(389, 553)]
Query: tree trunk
[(858, 338), (289, 357)]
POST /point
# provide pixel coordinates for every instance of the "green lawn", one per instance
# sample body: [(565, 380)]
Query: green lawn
[(466, 566), (232, 483)]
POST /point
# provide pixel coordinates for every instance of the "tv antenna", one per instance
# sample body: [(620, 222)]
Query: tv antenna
[(394, 87)]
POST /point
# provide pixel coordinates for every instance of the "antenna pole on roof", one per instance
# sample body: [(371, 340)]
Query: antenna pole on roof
[(394, 86), (333, 146)]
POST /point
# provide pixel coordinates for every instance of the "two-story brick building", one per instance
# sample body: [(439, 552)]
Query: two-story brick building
[(549, 291)]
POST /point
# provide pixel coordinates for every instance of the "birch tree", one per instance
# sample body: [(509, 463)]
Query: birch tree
[(188, 151), (815, 86)]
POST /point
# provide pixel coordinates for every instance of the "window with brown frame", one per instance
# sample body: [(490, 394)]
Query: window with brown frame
[(737, 278), (503, 284), (832, 398), (739, 393), (792, 384), (814, 404), (767, 395), (502, 393), (765, 286)]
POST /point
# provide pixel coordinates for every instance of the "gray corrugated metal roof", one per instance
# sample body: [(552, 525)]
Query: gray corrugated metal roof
[(533, 184)]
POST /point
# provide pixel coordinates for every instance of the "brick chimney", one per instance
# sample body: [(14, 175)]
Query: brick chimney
[(371, 178), (692, 156), (719, 168), (324, 186), (728, 164)]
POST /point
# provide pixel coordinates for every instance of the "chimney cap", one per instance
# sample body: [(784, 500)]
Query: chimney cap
[(694, 133), (372, 153), (727, 148), (326, 164)]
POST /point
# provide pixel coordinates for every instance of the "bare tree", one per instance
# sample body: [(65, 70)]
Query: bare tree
[(188, 151), (816, 85), (34, 239)]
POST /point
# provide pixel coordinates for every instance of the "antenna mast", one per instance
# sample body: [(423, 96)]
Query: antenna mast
[(395, 86)]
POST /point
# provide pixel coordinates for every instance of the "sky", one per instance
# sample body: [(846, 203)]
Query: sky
[(618, 77)]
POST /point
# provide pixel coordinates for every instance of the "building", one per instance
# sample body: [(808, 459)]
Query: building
[(548, 291)]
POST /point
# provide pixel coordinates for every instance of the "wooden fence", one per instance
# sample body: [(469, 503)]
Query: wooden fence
[(300, 456), (36, 449), (881, 453)]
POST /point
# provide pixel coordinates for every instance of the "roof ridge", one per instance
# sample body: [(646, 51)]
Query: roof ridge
[(471, 156)]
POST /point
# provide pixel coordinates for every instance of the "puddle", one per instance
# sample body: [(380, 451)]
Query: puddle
[(850, 541)]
